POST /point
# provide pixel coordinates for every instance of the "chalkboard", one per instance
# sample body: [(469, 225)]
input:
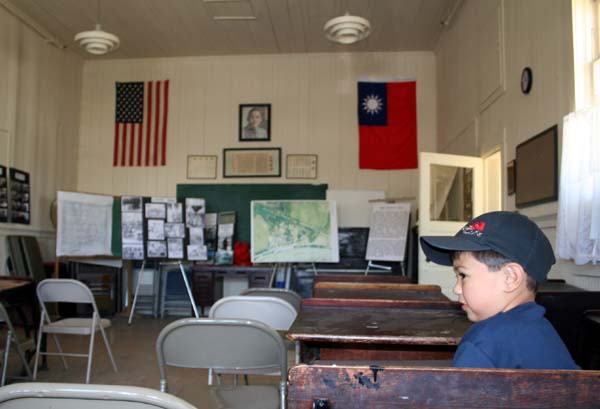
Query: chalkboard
[(237, 197)]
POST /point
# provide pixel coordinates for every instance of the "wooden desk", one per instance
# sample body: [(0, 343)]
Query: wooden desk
[(361, 278), (330, 329), (379, 291), (354, 387)]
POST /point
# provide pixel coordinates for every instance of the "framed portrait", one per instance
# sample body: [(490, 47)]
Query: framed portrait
[(255, 122), (202, 167), (248, 162), (301, 166)]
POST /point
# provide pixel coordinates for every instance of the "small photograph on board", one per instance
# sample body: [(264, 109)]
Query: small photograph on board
[(197, 252), (163, 200), (132, 228), (255, 122), (131, 204), (194, 212), (157, 249), (175, 248), (353, 242), (174, 230), (174, 213), (196, 236), (133, 252), (3, 215), (223, 257), (156, 229), (210, 234), (155, 211)]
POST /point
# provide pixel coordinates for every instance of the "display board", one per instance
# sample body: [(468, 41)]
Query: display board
[(237, 198), (285, 231), (84, 224), (388, 232)]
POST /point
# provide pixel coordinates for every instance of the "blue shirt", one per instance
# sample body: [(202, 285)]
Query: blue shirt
[(521, 338)]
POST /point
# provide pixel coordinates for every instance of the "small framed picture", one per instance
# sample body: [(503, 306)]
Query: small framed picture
[(300, 166), (255, 122), (202, 167), (510, 177)]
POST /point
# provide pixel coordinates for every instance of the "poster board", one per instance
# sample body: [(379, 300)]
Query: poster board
[(294, 231), (84, 224), (388, 231)]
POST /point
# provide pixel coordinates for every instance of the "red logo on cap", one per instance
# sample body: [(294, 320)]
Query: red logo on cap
[(480, 226)]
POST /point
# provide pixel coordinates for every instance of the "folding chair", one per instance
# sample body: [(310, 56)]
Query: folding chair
[(13, 339), (288, 295), (226, 344), (274, 312), (33, 395), (71, 291)]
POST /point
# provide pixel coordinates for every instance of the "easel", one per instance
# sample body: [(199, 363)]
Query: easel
[(187, 287), (399, 258)]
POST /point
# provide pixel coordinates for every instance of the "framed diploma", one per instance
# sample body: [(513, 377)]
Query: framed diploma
[(301, 167), (202, 167), (260, 162)]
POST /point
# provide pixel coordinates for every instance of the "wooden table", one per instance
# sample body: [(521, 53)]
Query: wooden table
[(392, 330), (361, 278), (374, 291)]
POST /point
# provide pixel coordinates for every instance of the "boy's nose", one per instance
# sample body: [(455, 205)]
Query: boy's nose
[(457, 288)]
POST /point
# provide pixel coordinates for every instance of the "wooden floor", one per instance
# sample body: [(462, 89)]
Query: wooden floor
[(134, 350)]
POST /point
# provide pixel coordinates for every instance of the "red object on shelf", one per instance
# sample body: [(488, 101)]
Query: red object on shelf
[(241, 254)]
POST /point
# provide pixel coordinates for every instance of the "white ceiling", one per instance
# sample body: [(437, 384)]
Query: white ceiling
[(169, 28)]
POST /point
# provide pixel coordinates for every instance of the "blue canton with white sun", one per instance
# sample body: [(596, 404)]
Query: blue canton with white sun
[(372, 103)]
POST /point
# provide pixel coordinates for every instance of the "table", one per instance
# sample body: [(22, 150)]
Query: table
[(361, 278), (378, 291), (330, 329)]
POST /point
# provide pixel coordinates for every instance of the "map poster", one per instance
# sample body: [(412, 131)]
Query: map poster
[(286, 231)]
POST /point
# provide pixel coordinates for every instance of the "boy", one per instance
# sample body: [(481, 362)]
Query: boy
[(499, 259)]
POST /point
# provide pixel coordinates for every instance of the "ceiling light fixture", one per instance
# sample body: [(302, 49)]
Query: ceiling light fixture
[(347, 29), (97, 41)]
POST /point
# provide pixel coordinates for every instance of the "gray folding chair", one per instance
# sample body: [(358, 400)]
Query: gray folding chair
[(13, 339), (288, 295), (70, 291), (275, 312), (34, 395), (226, 344)]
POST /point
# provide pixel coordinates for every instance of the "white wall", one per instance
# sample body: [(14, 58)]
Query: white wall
[(40, 91), (480, 104), (314, 107)]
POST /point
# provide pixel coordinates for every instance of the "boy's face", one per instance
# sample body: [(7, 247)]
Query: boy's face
[(479, 290)]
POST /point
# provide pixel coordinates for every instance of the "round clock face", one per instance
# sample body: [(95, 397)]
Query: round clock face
[(526, 80)]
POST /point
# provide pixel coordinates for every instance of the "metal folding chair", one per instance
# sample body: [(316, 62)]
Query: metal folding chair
[(13, 339), (70, 291)]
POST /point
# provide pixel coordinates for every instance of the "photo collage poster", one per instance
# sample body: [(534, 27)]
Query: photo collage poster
[(166, 230), (225, 230), (3, 195), (19, 211), (195, 212), (132, 227)]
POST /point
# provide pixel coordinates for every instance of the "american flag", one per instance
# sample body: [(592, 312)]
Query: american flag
[(141, 123)]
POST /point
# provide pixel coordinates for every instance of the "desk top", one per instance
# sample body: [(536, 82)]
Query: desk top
[(364, 325), (375, 294), (8, 284), (361, 278)]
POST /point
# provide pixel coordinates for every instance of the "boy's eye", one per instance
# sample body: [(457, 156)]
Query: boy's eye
[(461, 275)]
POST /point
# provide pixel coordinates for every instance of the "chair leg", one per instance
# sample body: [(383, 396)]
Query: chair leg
[(23, 358), (90, 355), (110, 355), (5, 358), (210, 376), (38, 346), (58, 347)]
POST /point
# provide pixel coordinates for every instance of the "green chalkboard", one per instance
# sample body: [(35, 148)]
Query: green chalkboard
[(115, 245), (231, 197)]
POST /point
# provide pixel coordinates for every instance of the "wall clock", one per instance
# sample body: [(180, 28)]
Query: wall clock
[(526, 80)]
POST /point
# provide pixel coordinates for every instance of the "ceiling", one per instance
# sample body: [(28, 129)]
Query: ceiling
[(170, 28)]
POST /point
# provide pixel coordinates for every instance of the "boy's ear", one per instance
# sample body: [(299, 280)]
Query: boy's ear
[(514, 276)]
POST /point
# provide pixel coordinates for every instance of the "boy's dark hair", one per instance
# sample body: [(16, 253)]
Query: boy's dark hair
[(494, 261)]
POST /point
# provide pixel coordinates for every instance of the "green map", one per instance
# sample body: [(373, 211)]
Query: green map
[(294, 231)]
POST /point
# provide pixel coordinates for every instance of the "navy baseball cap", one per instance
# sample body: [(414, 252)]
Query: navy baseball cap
[(513, 235)]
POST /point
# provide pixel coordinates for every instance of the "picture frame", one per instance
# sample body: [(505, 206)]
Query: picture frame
[(254, 122), (251, 162), (536, 169), (510, 177), (202, 166), (301, 166)]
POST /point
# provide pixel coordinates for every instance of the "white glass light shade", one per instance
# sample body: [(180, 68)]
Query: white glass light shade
[(97, 41), (347, 29)]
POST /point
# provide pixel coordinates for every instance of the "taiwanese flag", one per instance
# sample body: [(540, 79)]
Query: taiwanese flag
[(387, 119)]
